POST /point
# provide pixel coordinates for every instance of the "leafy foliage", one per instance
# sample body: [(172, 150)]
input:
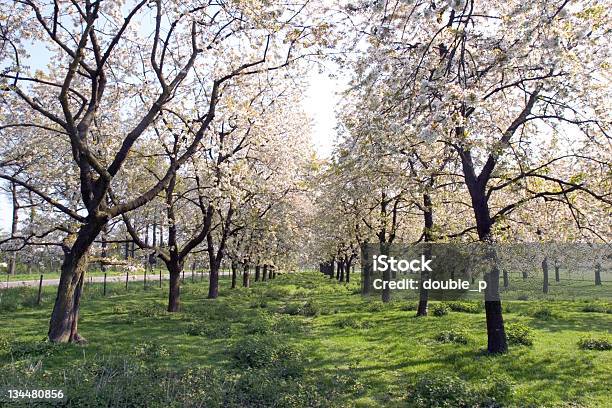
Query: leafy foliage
[(268, 352), (452, 336), (465, 307), (440, 309), (519, 334), (449, 391), (595, 343)]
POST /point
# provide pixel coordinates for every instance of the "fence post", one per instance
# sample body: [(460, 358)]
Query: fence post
[(39, 290), (127, 278), (104, 283)]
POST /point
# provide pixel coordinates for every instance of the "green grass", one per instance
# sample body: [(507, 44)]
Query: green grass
[(335, 348)]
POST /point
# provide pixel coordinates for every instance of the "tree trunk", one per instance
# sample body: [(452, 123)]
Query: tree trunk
[(12, 264), (234, 272), (213, 279), (348, 270), (386, 293), (506, 279), (423, 293), (174, 294), (428, 235), (126, 252), (214, 261), (545, 273), (342, 269), (598, 274), (366, 274), (104, 253), (63, 325), (264, 275), (477, 186), (257, 272), (496, 334), (557, 276), (245, 276)]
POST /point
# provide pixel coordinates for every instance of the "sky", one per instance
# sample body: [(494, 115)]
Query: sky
[(320, 103)]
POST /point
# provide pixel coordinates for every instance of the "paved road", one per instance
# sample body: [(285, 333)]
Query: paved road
[(99, 279)]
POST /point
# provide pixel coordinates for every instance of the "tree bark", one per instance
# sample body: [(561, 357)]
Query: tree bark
[(63, 325), (12, 264), (216, 257), (348, 274), (428, 224), (366, 274), (214, 261), (496, 334), (161, 234), (423, 293), (557, 276), (213, 279), (545, 274), (174, 294), (234, 272), (598, 274), (104, 253), (257, 272), (126, 253), (264, 275), (246, 282), (348, 269), (386, 293), (506, 278)]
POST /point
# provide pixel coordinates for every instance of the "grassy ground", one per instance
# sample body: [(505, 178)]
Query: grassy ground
[(302, 340)]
